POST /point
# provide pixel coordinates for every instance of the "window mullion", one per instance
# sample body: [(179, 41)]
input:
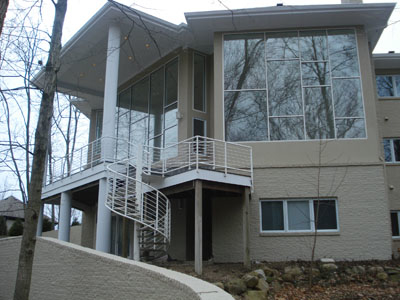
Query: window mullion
[(285, 216)]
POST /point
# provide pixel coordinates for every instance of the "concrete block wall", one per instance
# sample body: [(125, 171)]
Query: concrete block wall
[(364, 219), (74, 234), (66, 271)]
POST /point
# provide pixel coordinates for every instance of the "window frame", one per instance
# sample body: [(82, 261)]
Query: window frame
[(328, 61), (398, 223), (396, 95), (286, 229), (392, 151)]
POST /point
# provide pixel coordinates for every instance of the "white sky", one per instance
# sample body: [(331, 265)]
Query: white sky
[(80, 11)]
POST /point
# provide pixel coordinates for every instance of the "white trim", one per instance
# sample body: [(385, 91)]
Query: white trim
[(311, 211)]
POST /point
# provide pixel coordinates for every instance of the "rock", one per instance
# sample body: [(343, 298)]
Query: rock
[(276, 286), (349, 271), (250, 280), (329, 268), (220, 285), (255, 295), (270, 279), (327, 260), (288, 277), (259, 273), (271, 272), (375, 269), (315, 272), (295, 271), (359, 270), (382, 276), (262, 285), (392, 270), (236, 286)]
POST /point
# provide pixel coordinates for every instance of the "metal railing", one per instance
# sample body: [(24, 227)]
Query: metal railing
[(199, 153), (140, 202)]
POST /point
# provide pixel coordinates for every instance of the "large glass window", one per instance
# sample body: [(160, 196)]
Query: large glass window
[(146, 112), (388, 85), (298, 215), (292, 85), (199, 82)]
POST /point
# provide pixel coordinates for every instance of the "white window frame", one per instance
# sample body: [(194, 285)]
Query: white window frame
[(398, 223), (395, 94), (311, 209), (392, 153)]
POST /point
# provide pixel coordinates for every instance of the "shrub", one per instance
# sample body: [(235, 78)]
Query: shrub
[(17, 228), (3, 226)]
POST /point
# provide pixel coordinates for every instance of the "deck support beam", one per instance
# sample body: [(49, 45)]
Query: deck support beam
[(39, 228), (246, 228), (198, 227)]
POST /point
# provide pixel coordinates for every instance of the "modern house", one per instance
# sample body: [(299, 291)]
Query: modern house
[(234, 137)]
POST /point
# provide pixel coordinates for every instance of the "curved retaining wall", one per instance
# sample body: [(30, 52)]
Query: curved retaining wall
[(66, 271)]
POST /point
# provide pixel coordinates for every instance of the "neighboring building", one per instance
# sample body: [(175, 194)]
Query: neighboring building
[(11, 209), (387, 69), (286, 98)]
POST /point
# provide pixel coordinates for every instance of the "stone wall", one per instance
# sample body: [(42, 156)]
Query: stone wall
[(66, 271)]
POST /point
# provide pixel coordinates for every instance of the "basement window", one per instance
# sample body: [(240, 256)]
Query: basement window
[(299, 215), (395, 216)]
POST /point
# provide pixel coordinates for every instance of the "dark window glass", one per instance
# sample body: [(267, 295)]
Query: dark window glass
[(313, 45), (395, 223), (397, 82), (199, 82), (396, 146), (156, 102), (171, 82), (272, 215), (350, 128), (315, 73), (384, 85), (284, 88), (347, 98), (198, 127), (387, 148), (244, 62), (319, 115), (282, 45), (246, 116), (325, 214), (290, 128), (343, 53)]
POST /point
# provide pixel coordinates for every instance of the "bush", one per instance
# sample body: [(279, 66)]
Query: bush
[(3, 226), (75, 222), (17, 228)]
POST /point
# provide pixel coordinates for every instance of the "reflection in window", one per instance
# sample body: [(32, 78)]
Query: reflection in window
[(199, 82), (388, 85), (292, 85), (146, 112), (391, 148)]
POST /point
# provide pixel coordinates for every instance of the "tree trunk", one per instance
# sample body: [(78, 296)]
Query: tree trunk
[(23, 282), (3, 11)]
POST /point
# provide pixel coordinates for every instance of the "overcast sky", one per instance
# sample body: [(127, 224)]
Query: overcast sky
[(80, 11)]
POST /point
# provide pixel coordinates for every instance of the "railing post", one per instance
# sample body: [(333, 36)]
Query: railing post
[(251, 169), (80, 163), (213, 154), (157, 200), (91, 154), (197, 153), (189, 154), (226, 159), (138, 187)]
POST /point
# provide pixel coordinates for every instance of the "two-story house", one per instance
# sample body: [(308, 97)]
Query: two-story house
[(236, 136)]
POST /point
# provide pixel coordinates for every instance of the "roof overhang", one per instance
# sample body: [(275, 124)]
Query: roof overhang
[(386, 61), (373, 17)]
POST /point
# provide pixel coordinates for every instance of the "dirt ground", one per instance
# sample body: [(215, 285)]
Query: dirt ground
[(355, 289)]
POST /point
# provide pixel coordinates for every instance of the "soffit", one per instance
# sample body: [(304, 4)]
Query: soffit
[(373, 17)]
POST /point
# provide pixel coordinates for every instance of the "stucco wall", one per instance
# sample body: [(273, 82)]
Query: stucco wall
[(66, 271), (364, 221), (74, 234)]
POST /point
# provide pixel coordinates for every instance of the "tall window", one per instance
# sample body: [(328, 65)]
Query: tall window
[(391, 148), (388, 85), (395, 218), (298, 215), (293, 85), (199, 82), (146, 112)]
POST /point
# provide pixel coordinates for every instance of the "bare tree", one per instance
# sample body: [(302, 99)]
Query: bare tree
[(22, 287)]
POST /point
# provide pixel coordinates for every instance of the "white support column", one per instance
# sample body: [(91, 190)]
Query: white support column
[(246, 228), (111, 89), (65, 216), (198, 227), (103, 229), (40, 222)]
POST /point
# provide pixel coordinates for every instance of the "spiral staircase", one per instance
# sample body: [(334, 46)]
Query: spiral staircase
[(129, 197)]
